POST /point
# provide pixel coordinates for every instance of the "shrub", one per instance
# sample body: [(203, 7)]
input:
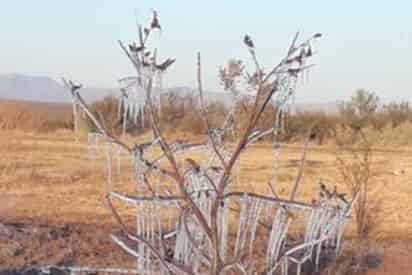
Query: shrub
[(356, 169), (359, 111)]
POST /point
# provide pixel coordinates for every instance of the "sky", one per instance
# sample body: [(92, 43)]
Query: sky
[(365, 44)]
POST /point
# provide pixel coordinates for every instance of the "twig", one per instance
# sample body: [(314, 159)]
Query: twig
[(204, 113), (301, 167)]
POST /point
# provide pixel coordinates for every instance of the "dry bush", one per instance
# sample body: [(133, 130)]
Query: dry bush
[(180, 113), (107, 111), (365, 110), (323, 126), (396, 114), (36, 117), (216, 111), (242, 116), (384, 125), (391, 115), (360, 110), (355, 165), (173, 110), (389, 136)]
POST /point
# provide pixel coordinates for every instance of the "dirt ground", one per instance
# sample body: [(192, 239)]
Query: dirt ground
[(52, 209)]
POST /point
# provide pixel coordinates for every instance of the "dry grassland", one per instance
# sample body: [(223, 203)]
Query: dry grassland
[(49, 179)]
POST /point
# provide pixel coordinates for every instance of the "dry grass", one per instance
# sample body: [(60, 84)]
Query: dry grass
[(33, 116), (47, 178)]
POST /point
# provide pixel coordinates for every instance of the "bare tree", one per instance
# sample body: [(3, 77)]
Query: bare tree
[(184, 206)]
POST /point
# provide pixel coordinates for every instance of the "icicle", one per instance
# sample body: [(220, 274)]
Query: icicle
[(139, 168), (268, 213), (151, 235), (120, 106), (255, 216), (277, 238), (223, 222), (126, 108), (157, 215), (159, 88), (75, 119), (109, 167), (152, 222), (119, 159), (242, 220), (92, 142), (251, 209), (139, 233), (179, 242)]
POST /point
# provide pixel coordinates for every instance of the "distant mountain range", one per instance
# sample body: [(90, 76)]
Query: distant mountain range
[(46, 89), (43, 89)]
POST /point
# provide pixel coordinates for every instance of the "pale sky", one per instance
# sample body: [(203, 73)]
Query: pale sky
[(365, 44)]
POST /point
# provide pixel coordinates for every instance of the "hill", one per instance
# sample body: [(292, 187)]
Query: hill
[(43, 89)]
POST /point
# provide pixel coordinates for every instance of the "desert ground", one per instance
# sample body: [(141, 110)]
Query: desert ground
[(52, 207)]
